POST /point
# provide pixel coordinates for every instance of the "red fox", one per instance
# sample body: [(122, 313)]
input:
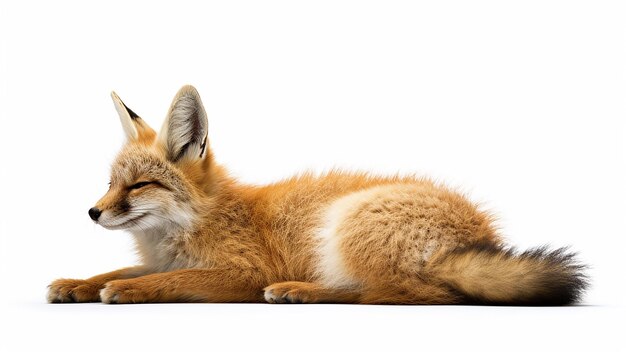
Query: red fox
[(335, 238)]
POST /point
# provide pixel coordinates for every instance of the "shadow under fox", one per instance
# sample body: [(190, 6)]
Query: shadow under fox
[(339, 237)]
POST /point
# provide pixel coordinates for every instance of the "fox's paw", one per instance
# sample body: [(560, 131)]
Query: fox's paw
[(73, 291), (122, 291), (288, 292)]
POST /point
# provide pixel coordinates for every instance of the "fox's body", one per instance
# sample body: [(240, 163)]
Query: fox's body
[(339, 237)]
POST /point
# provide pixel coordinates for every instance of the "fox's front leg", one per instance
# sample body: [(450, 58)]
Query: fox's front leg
[(76, 290), (189, 285)]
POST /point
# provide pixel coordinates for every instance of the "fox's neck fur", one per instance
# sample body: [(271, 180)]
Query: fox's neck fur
[(221, 209)]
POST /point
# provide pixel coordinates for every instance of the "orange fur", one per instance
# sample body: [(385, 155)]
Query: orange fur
[(339, 237)]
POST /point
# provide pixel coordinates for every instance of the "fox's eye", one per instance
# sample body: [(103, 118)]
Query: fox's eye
[(141, 184)]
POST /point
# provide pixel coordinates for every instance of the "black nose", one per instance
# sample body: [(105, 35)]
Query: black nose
[(94, 213)]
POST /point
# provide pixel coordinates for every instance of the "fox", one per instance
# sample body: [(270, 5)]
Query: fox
[(337, 237)]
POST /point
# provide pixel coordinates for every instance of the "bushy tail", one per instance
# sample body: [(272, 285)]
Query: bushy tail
[(491, 274)]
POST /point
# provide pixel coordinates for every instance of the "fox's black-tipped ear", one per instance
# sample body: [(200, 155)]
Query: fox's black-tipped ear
[(134, 127), (184, 133)]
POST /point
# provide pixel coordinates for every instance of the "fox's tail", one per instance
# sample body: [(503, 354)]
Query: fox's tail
[(491, 274)]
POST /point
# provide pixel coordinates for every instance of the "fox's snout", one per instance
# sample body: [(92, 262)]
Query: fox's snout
[(94, 213)]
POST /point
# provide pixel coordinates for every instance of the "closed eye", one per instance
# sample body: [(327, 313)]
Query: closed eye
[(140, 184)]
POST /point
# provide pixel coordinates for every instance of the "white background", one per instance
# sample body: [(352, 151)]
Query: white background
[(519, 104)]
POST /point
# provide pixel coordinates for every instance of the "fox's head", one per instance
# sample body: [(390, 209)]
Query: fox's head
[(156, 177)]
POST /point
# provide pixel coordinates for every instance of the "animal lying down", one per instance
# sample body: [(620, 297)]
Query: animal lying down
[(203, 236)]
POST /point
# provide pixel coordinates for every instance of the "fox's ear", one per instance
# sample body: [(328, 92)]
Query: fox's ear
[(134, 127), (184, 133)]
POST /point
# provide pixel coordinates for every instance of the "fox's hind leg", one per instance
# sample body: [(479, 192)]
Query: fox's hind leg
[(308, 292), (383, 239)]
